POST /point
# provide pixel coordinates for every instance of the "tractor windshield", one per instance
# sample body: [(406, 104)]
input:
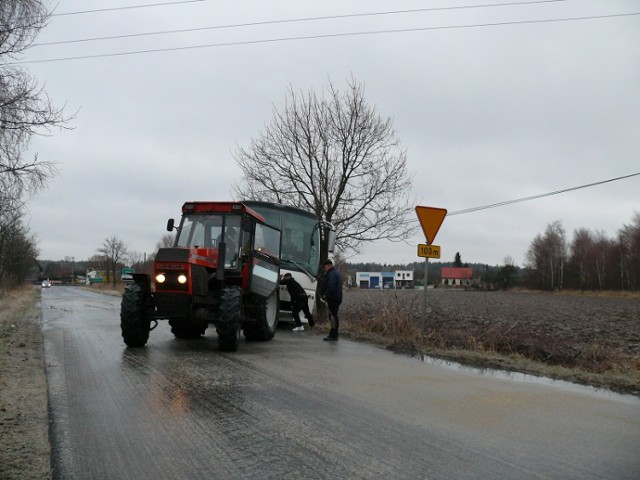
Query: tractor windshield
[(205, 231)]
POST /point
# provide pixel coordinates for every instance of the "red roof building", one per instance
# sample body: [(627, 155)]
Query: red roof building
[(456, 276)]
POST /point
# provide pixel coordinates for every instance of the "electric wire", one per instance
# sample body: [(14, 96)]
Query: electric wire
[(321, 36), (290, 20), (130, 7), (542, 195)]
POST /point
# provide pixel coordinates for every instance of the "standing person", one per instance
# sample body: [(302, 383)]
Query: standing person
[(299, 301), (332, 293)]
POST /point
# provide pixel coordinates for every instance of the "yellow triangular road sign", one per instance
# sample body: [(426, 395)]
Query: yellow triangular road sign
[(430, 219)]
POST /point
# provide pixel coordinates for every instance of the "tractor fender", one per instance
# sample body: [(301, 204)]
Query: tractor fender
[(144, 281)]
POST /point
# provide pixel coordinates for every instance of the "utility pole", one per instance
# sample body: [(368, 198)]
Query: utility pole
[(430, 220)]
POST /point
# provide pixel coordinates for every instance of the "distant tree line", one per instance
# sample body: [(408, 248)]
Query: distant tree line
[(589, 261)]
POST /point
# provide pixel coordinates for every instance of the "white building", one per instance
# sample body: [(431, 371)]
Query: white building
[(404, 279)]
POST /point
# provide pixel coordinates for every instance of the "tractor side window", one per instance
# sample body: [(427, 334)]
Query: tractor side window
[(267, 240)]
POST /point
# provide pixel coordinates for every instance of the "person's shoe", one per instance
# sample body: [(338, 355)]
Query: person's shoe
[(298, 329), (311, 321), (331, 338)]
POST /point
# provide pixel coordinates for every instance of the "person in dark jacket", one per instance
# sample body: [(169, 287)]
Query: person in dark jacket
[(299, 301), (332, 294)]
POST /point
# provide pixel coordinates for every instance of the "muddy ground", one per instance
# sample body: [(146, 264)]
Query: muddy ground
[(588, 339)]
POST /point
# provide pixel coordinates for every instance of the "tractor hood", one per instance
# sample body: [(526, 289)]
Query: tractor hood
[(205, 257)]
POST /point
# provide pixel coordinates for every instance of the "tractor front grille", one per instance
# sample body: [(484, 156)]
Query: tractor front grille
[(169, 305)]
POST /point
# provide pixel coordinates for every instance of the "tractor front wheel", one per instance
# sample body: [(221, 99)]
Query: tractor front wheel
[(133, 319), (230, 317)]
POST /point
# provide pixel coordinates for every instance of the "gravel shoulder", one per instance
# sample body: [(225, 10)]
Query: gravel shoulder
[(25, 451)]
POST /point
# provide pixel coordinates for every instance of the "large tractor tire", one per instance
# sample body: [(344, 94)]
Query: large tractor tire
[(265, 319), (185, 329), (230, 318), (133, 319)]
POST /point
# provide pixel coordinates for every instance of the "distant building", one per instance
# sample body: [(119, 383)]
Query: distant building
[(456, 276), (404, 279), (368, 279), (385, 280)]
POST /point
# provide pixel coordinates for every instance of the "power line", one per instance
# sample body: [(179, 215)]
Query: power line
[(315, 37), (290, 20), (131, 7), (533, 197)]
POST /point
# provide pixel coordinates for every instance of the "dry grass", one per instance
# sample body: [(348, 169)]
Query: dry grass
[(24, 449)]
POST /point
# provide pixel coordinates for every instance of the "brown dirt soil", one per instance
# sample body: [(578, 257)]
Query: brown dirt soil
[(24, 445)]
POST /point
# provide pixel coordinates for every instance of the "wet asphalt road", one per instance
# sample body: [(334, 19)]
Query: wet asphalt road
[(300, 408)]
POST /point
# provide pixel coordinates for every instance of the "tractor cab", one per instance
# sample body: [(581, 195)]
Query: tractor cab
[(228, 239)]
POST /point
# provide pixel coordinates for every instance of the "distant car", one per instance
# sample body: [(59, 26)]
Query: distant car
[(46, 284)]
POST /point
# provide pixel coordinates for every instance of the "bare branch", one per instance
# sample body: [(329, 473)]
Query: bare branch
[(25, 108)]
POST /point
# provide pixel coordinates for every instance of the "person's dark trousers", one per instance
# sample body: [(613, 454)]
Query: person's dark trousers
[(335, 321), (301, 304)]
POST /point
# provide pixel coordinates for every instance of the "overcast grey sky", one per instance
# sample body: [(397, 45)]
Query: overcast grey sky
[(491, 103)]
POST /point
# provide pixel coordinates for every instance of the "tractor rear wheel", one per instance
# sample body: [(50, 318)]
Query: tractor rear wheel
[(230, 317), (265, 319), (133, 320)]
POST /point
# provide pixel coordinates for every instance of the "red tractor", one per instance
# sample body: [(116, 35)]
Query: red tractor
[(223, 270)]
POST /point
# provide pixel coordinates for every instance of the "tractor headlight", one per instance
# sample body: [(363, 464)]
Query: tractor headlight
[(182, 279), (160, 278)]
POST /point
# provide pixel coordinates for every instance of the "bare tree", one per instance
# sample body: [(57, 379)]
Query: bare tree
[(334, 155), (113, 252), (603, 249), (507, 275), (547, 255), (17, 250), (165, 241), (25, 108), (629, 254), (581, 255)]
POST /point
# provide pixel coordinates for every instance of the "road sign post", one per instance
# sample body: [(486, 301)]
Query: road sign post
[(423, 323), (430, 220)]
